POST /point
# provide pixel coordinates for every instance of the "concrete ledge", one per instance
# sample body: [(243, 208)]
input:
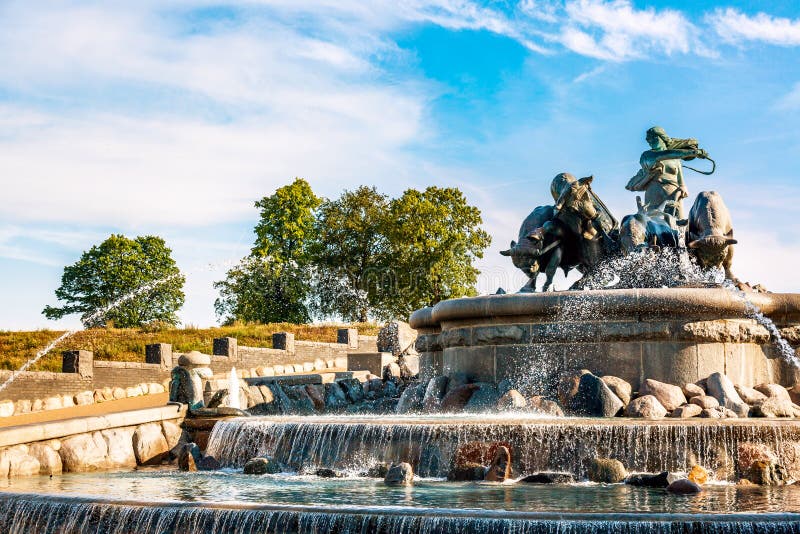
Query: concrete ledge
[(57, 429)]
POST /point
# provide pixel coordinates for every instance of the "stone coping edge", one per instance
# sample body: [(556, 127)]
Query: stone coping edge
[(718, 303), (16, 435)]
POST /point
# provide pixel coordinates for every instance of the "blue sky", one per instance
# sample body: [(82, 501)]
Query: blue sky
[(173, 118)]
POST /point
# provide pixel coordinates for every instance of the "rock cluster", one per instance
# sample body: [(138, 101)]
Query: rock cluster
[(115, 448)]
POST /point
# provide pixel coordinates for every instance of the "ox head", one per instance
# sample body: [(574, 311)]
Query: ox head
[(711, 250), (525, 254)]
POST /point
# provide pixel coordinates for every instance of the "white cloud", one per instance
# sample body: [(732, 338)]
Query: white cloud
[(736, 27), (617, 31)]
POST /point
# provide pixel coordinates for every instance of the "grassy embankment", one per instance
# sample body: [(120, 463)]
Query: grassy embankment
[(127, 344)]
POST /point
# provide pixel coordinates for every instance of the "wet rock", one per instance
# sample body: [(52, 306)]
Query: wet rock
[(568, 385), (500, 468), (409, 366), (434, 393), (261, 466), (49, 460), (316, 392), (512, 400), (188, 456), (352, 389), (721, 388), (377, 471), (692, 390), (412, 397), (467, 472), (704, 402), (456, 399), (84, 452), (594, 398), (324, 472), (748, 453), (208, 463), (744, 482), (698, 474), (768, 473), (539, 404), (457, 379), (789, 454), (684, 486), (390, 390), (335, 398), (504, 386), (729, 414), (301, 402), (483, 399), (647, 407), (172, 433), (773, 391), (607, 470), (686, 411), (619, 387), (712, 413), (399, 474), (549, 478), (647, 480), (749, 395), (668, 395), (773, 407)]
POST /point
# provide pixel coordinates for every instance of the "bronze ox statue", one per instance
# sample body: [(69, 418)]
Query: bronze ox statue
[(710, 234), (649, 228)]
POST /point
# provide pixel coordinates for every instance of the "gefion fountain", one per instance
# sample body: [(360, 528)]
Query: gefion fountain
[(677, 381)]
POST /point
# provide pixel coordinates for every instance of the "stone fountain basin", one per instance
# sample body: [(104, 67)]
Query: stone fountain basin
[(674, 335)]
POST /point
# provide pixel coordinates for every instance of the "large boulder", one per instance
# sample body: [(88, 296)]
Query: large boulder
[(619, 387), (705, 402), (261, 466), (684, 486), (399, 474), (540, 405), (512, 400), (335, 399), (547, 477), (49, 460), (768, 473), (607, 470), (484, 399), (568, 384), (686, 411), (647, 480), (316, 392), (774, 407), (149, 444), (398, 338), (188, 457), (773, 391), (692, 390), (411, 399), (466, 472), (594, 398), (84, 452), (721, 388), (668, 395), (456, 399), (750, 395), (352, 389), (119, 442), (647, 407), (17, 462)]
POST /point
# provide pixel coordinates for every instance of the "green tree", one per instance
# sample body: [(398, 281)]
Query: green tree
[(434, 237), (260, 290), (129, 282), (286, 223), (273, 283), (349, 254)]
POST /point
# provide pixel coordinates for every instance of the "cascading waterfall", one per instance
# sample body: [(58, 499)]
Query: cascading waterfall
[(31, 513), (557, 445)]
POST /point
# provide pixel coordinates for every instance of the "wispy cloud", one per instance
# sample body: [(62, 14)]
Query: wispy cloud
[(736, 27)]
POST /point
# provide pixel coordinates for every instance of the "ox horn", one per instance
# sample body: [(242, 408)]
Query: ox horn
[(730, 241)]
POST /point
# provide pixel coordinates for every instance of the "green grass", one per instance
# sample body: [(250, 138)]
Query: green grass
[(127, 344)]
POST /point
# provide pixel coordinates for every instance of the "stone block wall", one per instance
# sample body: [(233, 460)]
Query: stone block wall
[(81, 372)]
